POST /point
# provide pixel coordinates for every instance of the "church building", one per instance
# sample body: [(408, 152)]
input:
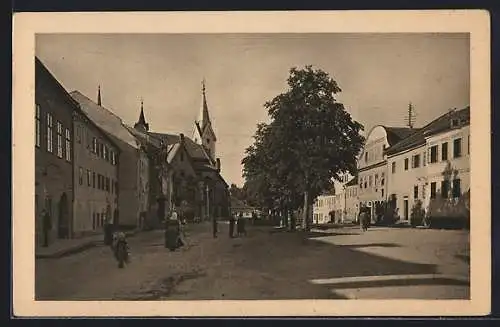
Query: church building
[(189, 168)]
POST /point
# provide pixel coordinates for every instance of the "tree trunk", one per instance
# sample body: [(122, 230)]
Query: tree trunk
[(306, 221)]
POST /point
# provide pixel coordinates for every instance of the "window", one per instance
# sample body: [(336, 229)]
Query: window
[(37, 125), (80, 176), (59, 139), (406, 163), (94, 145), (93, 179), (88, 178), (105, 152), (382, 181), (415, 192), (424, 158), (382, 192), (433, 190), (434, 154), (49, 133), (457, 148), (445, 187), (456, 188), (468, 144), (376, 179), (416, 161), (370, 181), (68, 145), (208, 141), (366, 156), (113, 158), (78, 134), (393, 167), (444, 151)]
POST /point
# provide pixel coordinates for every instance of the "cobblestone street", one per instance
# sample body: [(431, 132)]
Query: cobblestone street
[(268, 264)]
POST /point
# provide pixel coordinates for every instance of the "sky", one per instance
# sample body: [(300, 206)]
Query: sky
[(379, 74)]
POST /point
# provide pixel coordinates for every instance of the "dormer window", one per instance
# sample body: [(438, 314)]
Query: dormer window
[(455, 122)]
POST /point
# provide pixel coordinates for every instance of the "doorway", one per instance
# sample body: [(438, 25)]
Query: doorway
[(63, 219), (405, 209)]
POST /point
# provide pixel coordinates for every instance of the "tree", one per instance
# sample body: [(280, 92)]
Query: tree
[(311, 140)]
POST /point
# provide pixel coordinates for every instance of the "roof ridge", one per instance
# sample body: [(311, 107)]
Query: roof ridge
[(97, 105)]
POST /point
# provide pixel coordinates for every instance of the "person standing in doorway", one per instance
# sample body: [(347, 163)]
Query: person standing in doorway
[(46, 226)]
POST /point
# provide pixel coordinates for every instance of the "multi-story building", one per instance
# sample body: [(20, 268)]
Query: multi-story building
[(54, 110), (351, 201), (323, 209), (95, 182), (372, 167), (432, 163), (133, 171)]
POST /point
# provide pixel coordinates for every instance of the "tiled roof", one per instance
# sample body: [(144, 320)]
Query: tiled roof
[(438, 125), (105, 119), (396, 134), (195, 150), (352, 182)]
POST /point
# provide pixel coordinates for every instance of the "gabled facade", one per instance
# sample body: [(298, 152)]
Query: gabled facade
[(53, 110), (372, 167), (191, 168)]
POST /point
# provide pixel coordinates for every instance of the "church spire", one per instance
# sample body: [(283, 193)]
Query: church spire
[(141, 123), (204, 118), (99, 95)]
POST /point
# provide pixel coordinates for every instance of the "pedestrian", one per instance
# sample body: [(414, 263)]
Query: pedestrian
[(214, 227), (46, 226), (232, 221), (241, 225), (363, 219)]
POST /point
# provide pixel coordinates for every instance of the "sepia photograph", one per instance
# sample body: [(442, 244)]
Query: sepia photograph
[(315, 167)]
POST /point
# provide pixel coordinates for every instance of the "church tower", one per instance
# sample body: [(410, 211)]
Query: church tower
[(141, 124), (204, 133)]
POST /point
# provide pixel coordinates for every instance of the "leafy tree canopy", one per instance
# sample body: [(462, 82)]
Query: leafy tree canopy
[(310, 141)]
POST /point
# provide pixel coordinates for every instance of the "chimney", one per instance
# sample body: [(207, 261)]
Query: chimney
[(218, 165), (181, 137)]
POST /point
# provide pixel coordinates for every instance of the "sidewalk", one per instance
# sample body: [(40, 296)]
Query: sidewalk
[(61, 248)]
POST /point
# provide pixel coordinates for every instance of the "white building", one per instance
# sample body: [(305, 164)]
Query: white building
[(322, 208), (372, 166), (430, 164)]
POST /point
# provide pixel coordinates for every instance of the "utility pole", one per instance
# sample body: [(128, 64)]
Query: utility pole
[(410, 119)]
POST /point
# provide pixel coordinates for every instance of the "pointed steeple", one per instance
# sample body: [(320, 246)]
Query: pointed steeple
[(99, 95), (141, 123), (203, 118)]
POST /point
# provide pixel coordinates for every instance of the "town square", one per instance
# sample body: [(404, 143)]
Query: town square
[(252, 166)]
